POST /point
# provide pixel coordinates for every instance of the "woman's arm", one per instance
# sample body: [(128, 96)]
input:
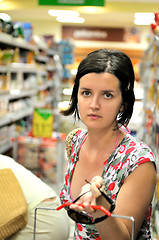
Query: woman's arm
[(133, 199)]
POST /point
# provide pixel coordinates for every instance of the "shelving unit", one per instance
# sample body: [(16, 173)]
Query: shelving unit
[(149, 72), (7, 39), (30, 77), (150, 75)]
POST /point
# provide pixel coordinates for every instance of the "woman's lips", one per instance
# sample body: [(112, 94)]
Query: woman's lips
[(94, 116)]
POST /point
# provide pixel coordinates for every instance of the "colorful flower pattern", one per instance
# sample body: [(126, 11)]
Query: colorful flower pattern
[(129, 154)]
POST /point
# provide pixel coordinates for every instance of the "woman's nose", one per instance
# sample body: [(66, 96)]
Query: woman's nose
[(95, 103)]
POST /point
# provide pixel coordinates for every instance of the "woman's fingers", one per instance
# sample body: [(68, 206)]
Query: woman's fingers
[(98, 181), (85, 206), (94, 190), (77, 207), (85, 188), (88, 207)]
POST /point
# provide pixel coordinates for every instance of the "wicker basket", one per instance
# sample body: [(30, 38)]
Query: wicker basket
[(13, 207)]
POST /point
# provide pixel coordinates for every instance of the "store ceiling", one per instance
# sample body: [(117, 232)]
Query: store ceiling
[(115, 13)]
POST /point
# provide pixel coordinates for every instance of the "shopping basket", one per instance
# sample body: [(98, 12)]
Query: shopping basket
[(102, 209)]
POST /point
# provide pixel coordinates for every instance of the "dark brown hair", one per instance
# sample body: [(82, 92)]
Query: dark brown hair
[(112, 61)]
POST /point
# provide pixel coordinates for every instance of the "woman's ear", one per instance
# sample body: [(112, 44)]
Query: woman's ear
[(121, 108)]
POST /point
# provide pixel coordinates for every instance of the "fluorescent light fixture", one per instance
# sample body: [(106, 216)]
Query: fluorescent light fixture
[(70, 19), (66, 16), (144, 18), (61, 13), (92, 10)]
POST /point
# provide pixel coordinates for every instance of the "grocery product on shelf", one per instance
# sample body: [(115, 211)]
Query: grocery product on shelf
[(149, 72), (30, 77)]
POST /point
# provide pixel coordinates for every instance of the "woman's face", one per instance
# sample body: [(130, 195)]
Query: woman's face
[(99, 100)]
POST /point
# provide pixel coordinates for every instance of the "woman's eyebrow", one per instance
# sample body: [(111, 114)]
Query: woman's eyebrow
[(105, 90), (84, 88), (108, 90)]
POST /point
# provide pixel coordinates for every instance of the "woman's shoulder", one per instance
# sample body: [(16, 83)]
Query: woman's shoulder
[(136, 143), (75, 137), (77, 132), (136, 150)]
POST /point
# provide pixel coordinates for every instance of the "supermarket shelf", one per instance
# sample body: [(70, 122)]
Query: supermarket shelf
[(26, 86), (41, 58), (4, 93), (42, 87), (20, 115), (4, 120), (5, 147), (42, 73), (16, 42), (52, 52), (4, 69), (18, 67), (16, 93), (51, 68), (12, 117)]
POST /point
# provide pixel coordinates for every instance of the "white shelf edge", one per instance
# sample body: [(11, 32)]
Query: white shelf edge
[(16, 42)]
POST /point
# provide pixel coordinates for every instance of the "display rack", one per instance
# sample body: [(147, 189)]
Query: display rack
[(30, 77), (149, 72)]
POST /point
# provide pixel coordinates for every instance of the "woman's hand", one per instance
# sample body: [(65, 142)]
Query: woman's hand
[(91, 194), (96, 183)]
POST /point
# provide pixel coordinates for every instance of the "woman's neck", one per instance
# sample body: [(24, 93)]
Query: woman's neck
[(103, 141)]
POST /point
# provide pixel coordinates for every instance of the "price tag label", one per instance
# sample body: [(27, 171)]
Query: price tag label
[(42, 122)]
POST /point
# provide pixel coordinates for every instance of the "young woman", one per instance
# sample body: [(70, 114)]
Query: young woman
[(104, 154)]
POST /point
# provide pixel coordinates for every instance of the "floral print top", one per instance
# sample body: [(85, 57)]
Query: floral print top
[(129, 154)]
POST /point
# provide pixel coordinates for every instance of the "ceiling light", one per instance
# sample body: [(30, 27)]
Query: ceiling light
[(144, 18), (57, 13), (70, 19), (92, 10)]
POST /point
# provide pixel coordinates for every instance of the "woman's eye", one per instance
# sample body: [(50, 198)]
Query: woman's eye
[(86, 93), (108, 95)]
